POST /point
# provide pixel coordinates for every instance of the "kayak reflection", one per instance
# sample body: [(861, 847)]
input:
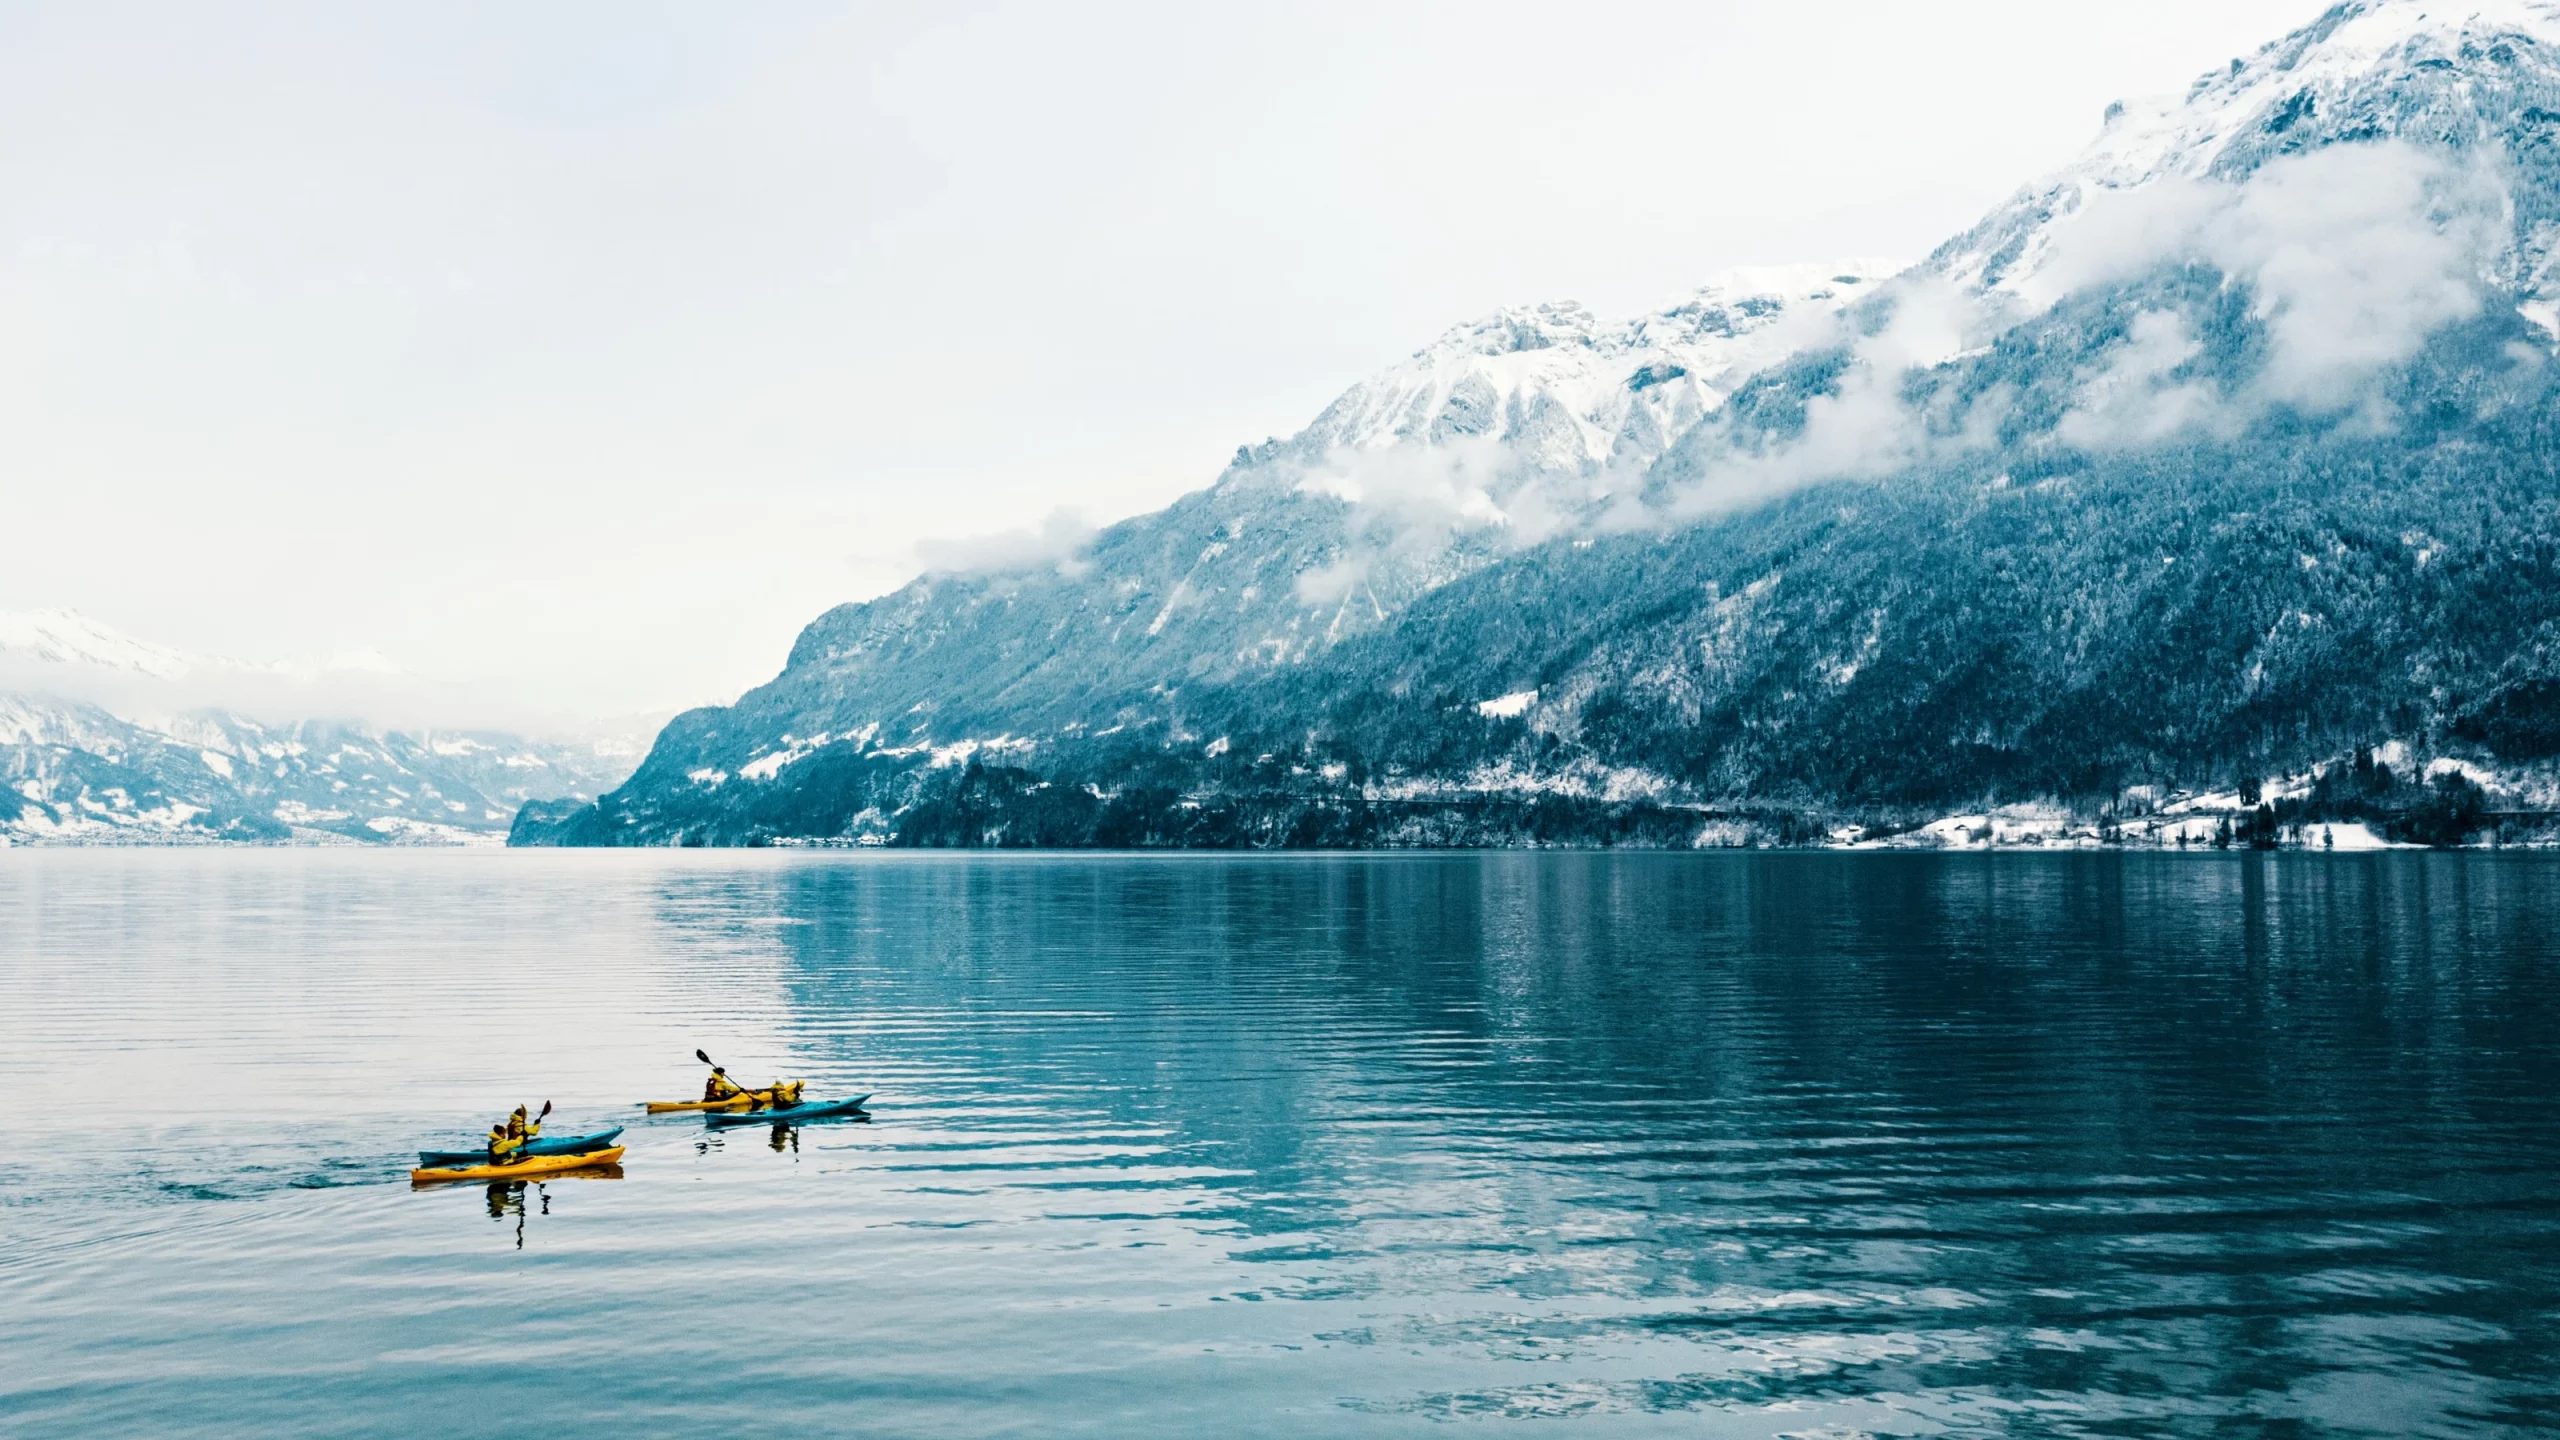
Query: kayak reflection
[(782, 1135), (788, 1131), (507, 1197)]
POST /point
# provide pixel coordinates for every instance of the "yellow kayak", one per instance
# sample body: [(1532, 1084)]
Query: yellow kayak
[(734, 1102), (538, 1165)]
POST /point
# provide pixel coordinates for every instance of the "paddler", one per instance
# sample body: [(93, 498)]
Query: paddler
[(509, 1137), (719, 1086)]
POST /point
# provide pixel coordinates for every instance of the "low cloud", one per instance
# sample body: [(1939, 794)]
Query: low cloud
[(2136, 397), (366, 695), (2353, 255), (1410, 488), (1057, 541), (1863, 426), (2350, 258), (1409, 502), (1332, 584)]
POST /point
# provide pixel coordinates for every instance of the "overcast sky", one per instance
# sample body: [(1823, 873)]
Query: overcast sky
[(580, 353)]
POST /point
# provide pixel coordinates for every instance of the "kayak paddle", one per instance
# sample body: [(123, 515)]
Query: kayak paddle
[(734, 1085), (716, 1065)]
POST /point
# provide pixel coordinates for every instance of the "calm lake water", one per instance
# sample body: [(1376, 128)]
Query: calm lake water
[(1751, 1145)]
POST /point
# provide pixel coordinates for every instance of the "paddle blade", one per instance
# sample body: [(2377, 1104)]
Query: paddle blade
[(698, 1055)]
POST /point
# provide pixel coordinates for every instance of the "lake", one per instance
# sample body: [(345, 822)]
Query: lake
[(1501, 1144)]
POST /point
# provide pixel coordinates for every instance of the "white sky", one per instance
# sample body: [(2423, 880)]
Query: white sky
[(580, 353)]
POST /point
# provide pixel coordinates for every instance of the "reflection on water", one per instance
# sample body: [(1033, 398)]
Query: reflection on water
[(782, 1137), (508, 1199), (1747, 1145)]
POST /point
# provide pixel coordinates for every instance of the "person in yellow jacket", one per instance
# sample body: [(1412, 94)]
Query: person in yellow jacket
[(775, 1096), (720, 1087), (508, 1138)]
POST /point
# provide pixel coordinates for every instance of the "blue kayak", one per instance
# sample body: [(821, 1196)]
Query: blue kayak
[(564, 1145), (814, 1110)]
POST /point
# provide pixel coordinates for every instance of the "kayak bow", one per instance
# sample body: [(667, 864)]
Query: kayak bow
[(521, 1169), (564, 1145), (813, 1110)]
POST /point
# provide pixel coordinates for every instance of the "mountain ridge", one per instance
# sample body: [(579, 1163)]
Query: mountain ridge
[(1915, 549), (140, 759)]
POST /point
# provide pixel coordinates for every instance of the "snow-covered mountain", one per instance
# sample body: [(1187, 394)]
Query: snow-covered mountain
[(2469, 81), (2226, 450), (167, 771), (1562, 394), (1497, 436), (67, 637)]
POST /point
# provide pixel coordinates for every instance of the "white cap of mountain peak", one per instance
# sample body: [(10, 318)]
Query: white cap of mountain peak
[(2446, 80), (1568, 382), (2352, 47), (67, 637)]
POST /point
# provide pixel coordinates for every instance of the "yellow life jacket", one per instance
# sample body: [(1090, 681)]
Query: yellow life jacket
[(502, 1144)]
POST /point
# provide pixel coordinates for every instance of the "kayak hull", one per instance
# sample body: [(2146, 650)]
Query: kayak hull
[(564, 1145), (667, 1107), (814, 1110), (520, 1170)]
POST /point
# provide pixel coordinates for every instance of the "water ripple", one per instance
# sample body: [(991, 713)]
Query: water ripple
[(1747, 1145)]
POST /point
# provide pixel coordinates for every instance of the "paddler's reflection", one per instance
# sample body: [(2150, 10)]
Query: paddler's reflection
[(786, 1136), (506, 1197)]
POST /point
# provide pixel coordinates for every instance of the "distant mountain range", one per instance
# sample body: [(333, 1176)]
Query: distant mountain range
[(2218, 466), (168, 770)]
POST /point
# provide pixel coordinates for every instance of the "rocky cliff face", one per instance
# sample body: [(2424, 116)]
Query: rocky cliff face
[(2219, 455)]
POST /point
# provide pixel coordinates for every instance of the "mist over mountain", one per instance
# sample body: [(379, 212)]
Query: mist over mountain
[(110, 739), (2211, 475)]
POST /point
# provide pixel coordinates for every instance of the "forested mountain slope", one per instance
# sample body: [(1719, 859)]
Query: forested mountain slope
[(2221, 457)]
